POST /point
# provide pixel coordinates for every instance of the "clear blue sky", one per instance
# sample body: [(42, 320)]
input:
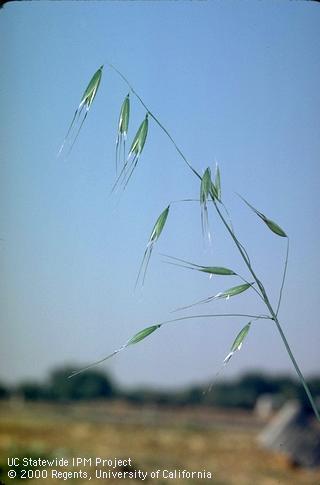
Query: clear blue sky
[(234, 82)]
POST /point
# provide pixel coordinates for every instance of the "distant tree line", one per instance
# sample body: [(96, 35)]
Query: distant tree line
[(242, 392), (90, 385)]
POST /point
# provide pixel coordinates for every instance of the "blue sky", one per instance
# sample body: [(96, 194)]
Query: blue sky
[(235, 83)]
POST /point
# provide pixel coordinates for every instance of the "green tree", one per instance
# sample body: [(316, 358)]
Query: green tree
[(91, 385)]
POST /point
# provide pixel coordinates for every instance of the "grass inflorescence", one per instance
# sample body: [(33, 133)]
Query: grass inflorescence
[(209, 191), (82, 110)]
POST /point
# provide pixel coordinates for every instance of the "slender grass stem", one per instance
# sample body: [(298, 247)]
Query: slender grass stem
[(217, 315), (242, 251), (228, 215), (283, 277), (252, 287), (273, 315), (155, 119), (295, 364)]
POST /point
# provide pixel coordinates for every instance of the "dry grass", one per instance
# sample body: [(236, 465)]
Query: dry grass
[(222, 443)]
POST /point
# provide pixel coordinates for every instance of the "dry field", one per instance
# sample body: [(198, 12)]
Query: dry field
[(190, 439)]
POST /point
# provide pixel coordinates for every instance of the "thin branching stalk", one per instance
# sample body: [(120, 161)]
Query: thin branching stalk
[(244, 256), (283, 277), (217, 315), (216, 199), (273, 314), (154, 118), (142, 334), (254, 289)]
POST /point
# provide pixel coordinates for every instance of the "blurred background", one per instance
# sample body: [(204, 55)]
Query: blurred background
[(235, 84)]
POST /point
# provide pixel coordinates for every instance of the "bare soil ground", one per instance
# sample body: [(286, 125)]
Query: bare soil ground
[(193, 439)]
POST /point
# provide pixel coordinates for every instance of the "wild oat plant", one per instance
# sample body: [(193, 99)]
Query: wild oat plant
[(209, 196)]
